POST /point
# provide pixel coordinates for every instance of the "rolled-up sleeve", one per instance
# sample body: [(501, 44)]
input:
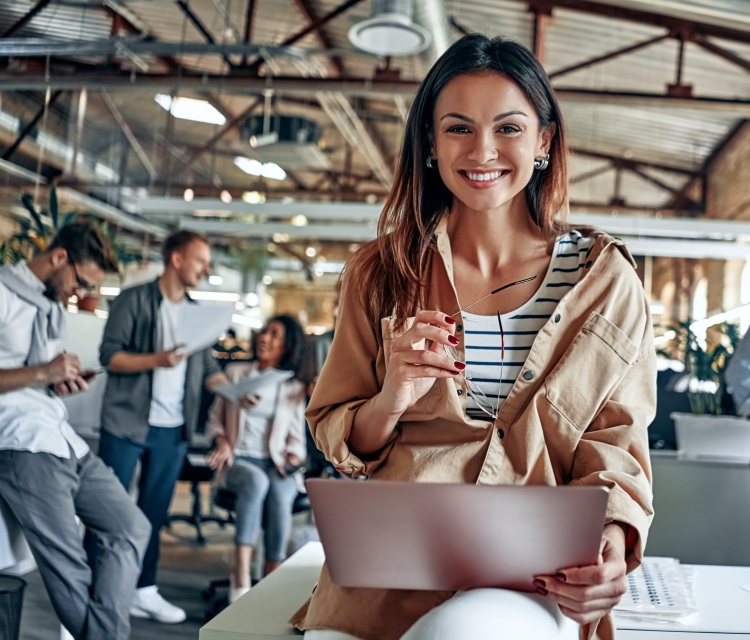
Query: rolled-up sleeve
[(349, 379), (118, 332)]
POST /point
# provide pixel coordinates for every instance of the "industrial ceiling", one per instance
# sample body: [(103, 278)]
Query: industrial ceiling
[(651, 91)]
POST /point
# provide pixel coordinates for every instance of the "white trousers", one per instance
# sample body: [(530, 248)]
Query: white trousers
[(489, 614)]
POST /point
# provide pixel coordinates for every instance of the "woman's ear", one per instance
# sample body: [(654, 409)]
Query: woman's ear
[(546, 136)]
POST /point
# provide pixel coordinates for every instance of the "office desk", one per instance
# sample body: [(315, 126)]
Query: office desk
[(15, 555), (702, 509), (262, 613)]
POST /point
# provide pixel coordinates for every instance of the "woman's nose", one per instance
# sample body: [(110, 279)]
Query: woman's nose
[(483, 149)]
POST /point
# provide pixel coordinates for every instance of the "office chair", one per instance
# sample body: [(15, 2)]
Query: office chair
[(195, 472)]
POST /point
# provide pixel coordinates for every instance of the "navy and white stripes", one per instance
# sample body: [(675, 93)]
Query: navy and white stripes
[(520, 328)]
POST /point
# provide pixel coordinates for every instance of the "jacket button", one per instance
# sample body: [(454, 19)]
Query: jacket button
[(500, 434), (459, 327), (460, 392), (528, 375), (588, 264), (557, 318)]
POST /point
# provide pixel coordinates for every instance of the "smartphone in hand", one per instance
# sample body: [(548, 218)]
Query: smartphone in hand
[(90, 374)]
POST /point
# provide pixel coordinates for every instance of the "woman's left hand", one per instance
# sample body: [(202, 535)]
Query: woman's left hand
[(587, 594)]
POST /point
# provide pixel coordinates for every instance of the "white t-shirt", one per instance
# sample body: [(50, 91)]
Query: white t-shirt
[(168, 383), (30, 419), (255, 424)]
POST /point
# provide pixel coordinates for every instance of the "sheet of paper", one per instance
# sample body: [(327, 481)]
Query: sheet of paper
[(235, 391), (197, 459), (200, 327)]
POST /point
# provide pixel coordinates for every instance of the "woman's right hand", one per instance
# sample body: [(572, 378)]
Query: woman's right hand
[(221, 456), (417, 359)]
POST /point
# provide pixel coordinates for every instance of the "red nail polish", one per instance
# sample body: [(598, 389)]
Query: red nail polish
[(455, 373), (539, 583), (561, 577), (542, 592), (459, 365), (450, 320), (453, 339)]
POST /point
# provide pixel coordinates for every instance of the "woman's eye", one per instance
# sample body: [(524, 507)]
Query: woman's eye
[(458, 129), (509, 128)]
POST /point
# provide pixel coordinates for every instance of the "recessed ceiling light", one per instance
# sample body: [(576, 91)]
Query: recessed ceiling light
[(190, 109)]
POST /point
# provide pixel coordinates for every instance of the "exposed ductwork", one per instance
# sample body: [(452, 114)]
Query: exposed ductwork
[(432, 16)]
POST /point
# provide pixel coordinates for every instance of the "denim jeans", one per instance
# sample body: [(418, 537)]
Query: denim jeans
[(264, 498), (162, 457)]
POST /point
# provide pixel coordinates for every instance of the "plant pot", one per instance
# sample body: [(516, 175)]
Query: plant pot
[(88, 303), (712, 436)]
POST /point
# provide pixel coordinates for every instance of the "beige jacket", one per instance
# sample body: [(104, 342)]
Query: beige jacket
[(578, 414), (288, 424)]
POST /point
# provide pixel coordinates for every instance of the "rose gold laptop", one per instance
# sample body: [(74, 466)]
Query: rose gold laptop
[(408, 535)]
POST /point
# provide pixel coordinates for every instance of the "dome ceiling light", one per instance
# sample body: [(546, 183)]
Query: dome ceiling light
[(390, 30)]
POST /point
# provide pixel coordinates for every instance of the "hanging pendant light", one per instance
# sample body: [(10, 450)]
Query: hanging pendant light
[(390, 30)]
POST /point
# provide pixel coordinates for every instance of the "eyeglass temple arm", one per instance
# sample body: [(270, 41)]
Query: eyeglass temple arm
[(498, 290)]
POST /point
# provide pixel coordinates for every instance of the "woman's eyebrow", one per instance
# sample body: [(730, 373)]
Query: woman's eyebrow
[(499, 116)]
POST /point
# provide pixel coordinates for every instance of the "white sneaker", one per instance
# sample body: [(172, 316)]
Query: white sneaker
[(235, 593), (148, 603)]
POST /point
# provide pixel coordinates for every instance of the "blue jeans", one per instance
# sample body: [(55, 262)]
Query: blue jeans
[(264, 497), (162, 457)]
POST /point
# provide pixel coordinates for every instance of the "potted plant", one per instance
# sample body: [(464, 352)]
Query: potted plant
[(712, 428), (36, 233)]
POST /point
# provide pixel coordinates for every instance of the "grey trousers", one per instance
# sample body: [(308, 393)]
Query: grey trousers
[(45, 493)]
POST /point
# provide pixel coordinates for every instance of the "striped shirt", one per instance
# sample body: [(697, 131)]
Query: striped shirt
[(483, 343)]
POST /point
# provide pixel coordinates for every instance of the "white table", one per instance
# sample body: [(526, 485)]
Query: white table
[(262, 613), (15, 555)]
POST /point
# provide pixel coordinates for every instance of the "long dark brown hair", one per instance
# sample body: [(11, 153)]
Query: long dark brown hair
[(390, 271)]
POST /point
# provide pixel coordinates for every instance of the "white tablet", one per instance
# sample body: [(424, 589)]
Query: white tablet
[(408, 535)]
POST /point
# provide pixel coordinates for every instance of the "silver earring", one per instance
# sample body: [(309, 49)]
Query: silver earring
[(431, 162), (540, 164)]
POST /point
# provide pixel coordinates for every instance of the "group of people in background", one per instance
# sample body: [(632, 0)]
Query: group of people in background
[(150, 412), (431, 377)]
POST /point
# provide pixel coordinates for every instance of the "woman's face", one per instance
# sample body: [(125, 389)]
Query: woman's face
[(271, 343), (486, 139)]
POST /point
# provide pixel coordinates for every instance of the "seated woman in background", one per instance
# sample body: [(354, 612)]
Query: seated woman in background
[(257, 448)]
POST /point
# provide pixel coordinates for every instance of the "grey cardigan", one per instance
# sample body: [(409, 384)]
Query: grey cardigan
[(132, 327)]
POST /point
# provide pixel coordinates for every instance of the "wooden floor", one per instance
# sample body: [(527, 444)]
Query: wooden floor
[(184, 572)]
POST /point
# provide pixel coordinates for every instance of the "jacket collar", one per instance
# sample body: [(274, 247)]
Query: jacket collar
[(155, 291)]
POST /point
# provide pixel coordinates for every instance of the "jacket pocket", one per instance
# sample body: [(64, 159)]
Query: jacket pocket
[(589, 370), (424, 407)]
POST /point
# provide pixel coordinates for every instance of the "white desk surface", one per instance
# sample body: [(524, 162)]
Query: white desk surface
[(261, 614)]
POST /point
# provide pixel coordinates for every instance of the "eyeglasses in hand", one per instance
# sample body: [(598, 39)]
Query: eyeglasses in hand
[(480, 398)]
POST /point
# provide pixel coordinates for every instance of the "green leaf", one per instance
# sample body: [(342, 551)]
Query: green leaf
[(28, 202), (53, 206)]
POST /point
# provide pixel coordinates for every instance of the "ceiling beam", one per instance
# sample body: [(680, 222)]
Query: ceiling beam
[(721, 52), (202, 29), (26, 18), (628, 163), (643, 16), (607, 56), (313, 26), (249, 19), (128, 132), (31, 125), (238, 84)]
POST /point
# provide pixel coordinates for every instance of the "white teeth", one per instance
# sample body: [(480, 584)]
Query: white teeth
[(483, 177)]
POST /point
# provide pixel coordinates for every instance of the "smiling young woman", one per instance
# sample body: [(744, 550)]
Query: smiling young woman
[(439, 372)]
